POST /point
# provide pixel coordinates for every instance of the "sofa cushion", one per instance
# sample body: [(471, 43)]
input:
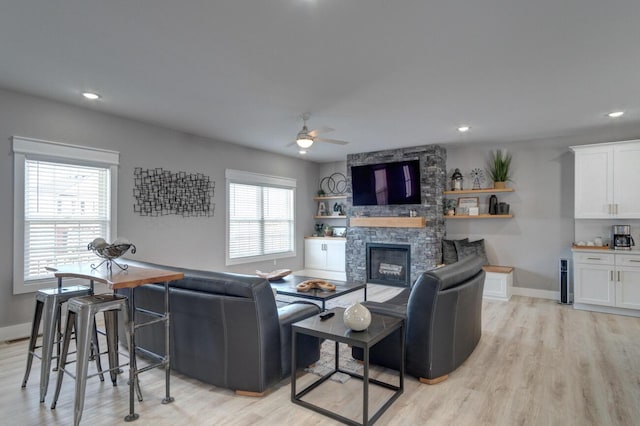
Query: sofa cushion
[(469, 248), (449, 252)]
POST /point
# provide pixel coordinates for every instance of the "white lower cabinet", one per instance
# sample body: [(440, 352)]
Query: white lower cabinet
[(326, 254), (607, 279), (628, 281)]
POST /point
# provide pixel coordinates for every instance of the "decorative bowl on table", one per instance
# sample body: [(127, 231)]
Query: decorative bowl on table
[(110, 252), (273, 275)]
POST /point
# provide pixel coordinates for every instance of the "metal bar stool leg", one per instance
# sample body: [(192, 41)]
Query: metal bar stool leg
[(71, 320), (111, 325), (35, 327), (48, 337), (83, 343), (95, 351)]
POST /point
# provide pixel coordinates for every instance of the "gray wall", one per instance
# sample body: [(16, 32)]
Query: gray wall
[(543, 227), (190, 242)]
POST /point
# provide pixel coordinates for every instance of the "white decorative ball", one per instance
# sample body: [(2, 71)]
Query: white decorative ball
[(357, 317)]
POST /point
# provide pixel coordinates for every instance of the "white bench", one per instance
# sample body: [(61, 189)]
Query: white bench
[(498, 282)]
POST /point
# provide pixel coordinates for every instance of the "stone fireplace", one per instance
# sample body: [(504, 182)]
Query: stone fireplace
[(424, 242), (388, 264)]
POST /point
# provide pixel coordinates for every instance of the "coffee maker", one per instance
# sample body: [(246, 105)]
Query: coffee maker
[(621, 238)]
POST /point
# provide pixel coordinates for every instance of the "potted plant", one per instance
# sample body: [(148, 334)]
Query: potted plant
[(450, 206), (328, 231), (499, 168)]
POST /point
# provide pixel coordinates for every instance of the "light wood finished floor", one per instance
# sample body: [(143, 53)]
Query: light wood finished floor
[(538, 363)]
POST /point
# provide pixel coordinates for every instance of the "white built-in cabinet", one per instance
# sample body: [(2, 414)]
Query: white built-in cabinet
[(606, 279), (325, 255), (606, 180)]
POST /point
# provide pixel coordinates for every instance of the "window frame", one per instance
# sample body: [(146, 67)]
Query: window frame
[(248, 178), (35, 149)]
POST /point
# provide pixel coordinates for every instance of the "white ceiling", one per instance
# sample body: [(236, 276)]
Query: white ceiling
[(383, 73)]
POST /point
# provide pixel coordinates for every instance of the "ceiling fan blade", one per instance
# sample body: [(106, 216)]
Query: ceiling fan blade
[(323, 129), (334, 141), (290, 144)]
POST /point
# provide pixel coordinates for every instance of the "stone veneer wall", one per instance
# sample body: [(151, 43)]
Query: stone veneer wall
[(426, 243)]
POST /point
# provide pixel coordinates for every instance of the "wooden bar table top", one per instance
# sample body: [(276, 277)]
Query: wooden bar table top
[(115, 279)]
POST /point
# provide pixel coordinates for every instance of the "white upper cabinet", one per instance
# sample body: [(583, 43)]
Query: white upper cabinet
[(626, 180), (606, 180)]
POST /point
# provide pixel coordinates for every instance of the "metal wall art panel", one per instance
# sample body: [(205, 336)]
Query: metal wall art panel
[(159, 192)]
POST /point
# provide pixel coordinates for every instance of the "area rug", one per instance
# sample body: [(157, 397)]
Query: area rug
[(326, 363)]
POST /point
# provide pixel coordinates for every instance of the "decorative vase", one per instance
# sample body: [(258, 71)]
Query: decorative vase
[(493, 205), (357, 317), (499, 185)]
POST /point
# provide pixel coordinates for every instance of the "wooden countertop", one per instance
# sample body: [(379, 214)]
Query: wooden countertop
[(115, 279)]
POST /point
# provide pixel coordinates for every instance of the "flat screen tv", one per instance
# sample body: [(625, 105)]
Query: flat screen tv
[(386, 183)]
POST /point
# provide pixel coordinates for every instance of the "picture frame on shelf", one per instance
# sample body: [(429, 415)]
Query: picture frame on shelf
[(462, 211), (468, 202), (339, 231)]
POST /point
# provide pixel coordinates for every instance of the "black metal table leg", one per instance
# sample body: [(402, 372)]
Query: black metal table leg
[(132, 357), (167, 366)]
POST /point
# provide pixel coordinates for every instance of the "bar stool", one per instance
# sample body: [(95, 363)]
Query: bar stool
[(48, 311), (81, 312)]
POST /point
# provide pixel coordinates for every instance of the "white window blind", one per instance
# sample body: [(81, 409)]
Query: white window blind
[(66, 206), (260, 217), (64, 197)]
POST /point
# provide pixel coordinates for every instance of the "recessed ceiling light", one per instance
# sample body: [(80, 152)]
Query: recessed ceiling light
[(302, 151), (463, 129), (616, 114), (91, 95)]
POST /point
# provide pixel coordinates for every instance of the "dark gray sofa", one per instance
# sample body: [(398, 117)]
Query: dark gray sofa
[(443, 314), (225, 328)]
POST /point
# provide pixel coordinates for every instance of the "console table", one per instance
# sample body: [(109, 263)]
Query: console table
[(131, 278), (334, 329)]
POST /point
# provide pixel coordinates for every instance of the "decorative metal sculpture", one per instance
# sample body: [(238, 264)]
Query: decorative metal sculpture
[(159, 192), (336, 184), (477, 175), (110, 252)]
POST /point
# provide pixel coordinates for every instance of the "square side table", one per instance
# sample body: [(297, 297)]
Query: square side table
[(334, 329)]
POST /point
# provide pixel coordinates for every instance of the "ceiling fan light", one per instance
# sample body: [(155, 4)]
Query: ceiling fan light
[(616, 114), (304, 142)]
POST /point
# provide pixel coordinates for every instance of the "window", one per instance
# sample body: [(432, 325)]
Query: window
[(260, 217), (64, 197)]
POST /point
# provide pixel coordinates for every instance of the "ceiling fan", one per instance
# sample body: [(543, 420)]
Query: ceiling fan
[(306, 137)]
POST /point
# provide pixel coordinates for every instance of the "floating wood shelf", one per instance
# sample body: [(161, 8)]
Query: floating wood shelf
[(482, 216), (477, 191), (330, 197), (324, 238), (337, 216), (389, 222)]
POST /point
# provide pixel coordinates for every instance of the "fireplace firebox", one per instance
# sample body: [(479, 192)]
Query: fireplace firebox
[(389, 264)]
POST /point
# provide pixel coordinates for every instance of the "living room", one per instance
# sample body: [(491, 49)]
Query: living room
[(540, 233)]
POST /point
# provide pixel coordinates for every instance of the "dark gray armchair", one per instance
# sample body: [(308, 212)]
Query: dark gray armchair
[(443, 314)]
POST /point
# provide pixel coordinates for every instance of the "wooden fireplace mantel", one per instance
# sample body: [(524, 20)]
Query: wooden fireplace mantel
[(389, 222)]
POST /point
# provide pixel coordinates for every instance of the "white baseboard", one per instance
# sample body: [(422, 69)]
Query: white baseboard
[(532, 292), (607, 309), (14, 332)]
